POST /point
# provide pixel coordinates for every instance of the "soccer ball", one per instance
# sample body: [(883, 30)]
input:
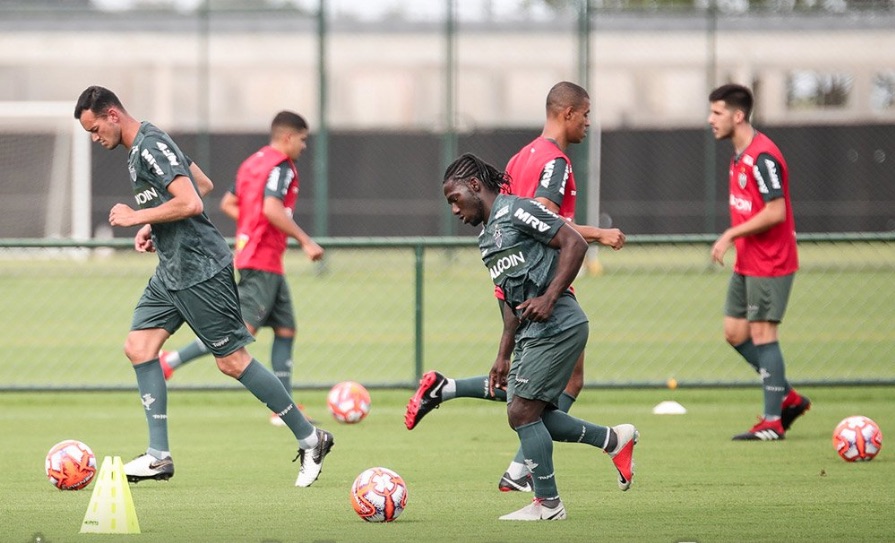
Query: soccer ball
[(379, 495), (857, 439), (349, 402), (70, 465)]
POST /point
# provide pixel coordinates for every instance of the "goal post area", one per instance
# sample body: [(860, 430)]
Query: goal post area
[(45, 171)]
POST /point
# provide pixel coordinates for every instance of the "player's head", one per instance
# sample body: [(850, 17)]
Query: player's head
[(570, 104), (100, 113), (470, 186), (730, 106), (289, 133)]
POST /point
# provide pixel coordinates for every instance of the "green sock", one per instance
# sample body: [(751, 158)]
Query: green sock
[(538, 450), (477, 387), (281, 360), (564, 404), (267, 388), (773, 377), (565, 427), (154, 396), (188, 353)]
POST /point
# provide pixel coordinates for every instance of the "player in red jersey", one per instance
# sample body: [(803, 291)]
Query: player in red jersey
[(541, 170), (262, 202), (763, 232)]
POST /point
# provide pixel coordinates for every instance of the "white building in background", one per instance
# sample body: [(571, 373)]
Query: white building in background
[(644, 71)]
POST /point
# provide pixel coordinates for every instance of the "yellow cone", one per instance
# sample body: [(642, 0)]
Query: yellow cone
[(111, 509)]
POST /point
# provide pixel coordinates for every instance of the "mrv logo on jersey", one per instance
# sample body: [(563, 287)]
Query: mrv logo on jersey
[(531, 220)]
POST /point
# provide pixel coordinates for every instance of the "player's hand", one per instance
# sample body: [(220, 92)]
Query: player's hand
[(122, 215), (313, 251), (612, 237), (143, 240), (497, 377), (536, 309), (720, 248)]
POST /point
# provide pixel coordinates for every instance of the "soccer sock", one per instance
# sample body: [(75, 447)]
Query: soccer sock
[(538, 450), (190, 352), (749, 351), (477, 387), (267, 388), (154, 396), (565, 427), (773, 376), (281, 360), (517, 469), (565, 402)]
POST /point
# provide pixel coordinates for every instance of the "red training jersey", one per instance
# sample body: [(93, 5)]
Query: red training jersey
[(259, 244), (759, 175), (532, 170)]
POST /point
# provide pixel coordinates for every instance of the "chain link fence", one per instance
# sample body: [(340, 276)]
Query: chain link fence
[(382, 311)]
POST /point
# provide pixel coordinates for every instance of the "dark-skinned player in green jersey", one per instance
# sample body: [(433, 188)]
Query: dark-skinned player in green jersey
[(193, 284), (533, 255), (540, 170)]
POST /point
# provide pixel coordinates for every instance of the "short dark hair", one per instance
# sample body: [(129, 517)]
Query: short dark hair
[(735, 96), (468, 166), (566, 94), (96, 99), (288, 119)]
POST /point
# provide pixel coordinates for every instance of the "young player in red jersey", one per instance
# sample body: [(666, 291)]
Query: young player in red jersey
[(262, 202), (763, 232)]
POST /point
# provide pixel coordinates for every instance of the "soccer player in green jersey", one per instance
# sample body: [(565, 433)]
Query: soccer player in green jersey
[(533, 255), (193, 283)]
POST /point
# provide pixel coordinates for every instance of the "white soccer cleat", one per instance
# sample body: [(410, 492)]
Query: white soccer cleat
[(536, 510), (147, 466), (312, 459)]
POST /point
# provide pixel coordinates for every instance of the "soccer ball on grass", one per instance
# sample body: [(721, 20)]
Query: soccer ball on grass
[(379, 495), (857, 439), (70, 465), (349, 402)]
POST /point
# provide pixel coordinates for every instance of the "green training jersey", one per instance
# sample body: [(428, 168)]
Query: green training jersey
[(515, 251), (190, 250)]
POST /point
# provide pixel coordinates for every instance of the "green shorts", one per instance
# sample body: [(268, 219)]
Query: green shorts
[(542, 366), (758, 299), (210, 308), (265, 299)]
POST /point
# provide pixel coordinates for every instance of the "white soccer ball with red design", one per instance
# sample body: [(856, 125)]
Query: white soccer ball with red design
[(349, 402), (379, 495), (857, 439), (70, 465)]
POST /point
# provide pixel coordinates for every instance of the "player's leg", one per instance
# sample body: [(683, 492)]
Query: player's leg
[(172, 360), (517, 478), (766, 300), (215, 316), (155, 319)]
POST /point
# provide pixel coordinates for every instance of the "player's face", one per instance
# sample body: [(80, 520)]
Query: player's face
[(465, 202), (298, 142), (104, 128), (578, 122), (721, 119)]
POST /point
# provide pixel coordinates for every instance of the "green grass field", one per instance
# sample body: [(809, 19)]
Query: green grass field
[(655, 313), (234, 480)]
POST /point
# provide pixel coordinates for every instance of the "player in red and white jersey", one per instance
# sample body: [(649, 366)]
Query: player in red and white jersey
[(763, 232), (262, 202)]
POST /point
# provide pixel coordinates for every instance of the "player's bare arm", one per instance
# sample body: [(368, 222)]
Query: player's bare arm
[(203, 182), (230, 205), (497, 377), (773, 213), (275, 212), (610, 237), (572, 249), (143, 240), (184, 203)]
